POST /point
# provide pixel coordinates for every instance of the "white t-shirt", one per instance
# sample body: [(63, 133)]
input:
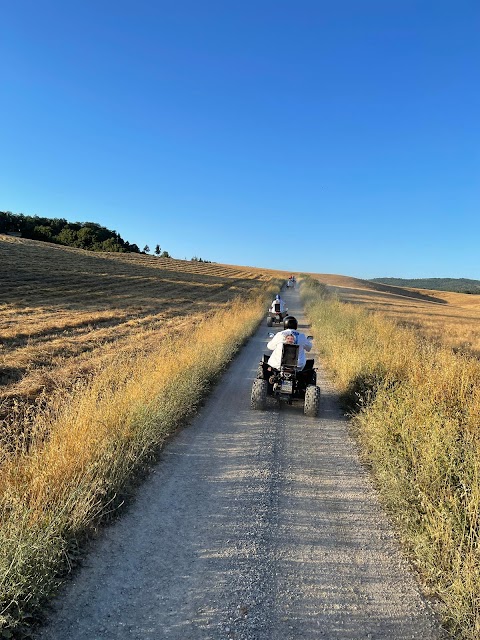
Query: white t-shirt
[(276, 344), (280, 302)]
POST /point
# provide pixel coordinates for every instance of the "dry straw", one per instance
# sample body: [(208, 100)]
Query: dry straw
[(86, 445), (416, 411)]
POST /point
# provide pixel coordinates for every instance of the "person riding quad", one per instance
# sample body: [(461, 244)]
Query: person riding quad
[(290, 326), (281, 305), (290, 335)]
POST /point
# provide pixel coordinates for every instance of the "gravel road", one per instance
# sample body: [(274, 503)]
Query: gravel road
[(253, 526)]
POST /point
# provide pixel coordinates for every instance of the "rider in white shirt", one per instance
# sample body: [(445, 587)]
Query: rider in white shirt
[(276, 301), (276, 343)]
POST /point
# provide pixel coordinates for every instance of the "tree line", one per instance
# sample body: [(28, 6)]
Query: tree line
[(82, 235)]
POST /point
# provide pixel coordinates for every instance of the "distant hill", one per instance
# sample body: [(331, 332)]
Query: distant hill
[(457, 285), (81, 235)]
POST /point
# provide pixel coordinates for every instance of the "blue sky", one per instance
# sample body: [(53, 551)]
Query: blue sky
[(332, 137)]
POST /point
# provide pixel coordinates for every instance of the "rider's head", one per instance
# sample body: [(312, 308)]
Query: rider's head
[(290, 323), (277, 297)]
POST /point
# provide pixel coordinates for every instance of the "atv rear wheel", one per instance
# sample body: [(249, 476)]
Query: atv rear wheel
[(269, 321), (258, 399), (312, 401)]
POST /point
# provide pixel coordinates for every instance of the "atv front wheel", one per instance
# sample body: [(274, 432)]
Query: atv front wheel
[(312, 401), (258, 399)]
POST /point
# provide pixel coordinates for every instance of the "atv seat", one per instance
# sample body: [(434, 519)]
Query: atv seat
[(290, 355)]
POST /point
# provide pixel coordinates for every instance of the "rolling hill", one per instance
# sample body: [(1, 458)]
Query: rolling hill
[(458, 285)]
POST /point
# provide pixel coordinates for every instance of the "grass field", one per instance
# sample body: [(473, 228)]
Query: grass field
[(448, 318), (65, 312), (415, 407), (102, 357)]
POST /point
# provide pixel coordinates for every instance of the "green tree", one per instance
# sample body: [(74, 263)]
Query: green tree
[(67, 236), (86, 237), (157, 250), (111, 245), (146, 249), (43, 232)]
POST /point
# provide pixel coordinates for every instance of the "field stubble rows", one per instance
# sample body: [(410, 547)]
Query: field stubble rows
[(448, 318), (65, 312), (102, 357)]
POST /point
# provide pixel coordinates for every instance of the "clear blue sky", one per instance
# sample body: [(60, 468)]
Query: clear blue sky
[(338, 136)]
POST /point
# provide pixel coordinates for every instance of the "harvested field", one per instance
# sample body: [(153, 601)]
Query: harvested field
[(64, 312), (449, 318)]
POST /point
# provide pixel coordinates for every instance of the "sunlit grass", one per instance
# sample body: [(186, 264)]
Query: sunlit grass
[(102, 357), (85, 446), (64, 311), (416, 412), (452, 319)]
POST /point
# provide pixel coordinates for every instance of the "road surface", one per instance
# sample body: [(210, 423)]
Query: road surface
[(253, 526)]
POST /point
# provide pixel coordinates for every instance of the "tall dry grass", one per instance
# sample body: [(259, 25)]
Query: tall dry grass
[(65, 313), (449, 318), (86, 445), (416, 411)]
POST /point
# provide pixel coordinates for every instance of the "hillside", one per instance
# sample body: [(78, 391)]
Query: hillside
[(447, 317), (459, 285), (104, 355), (65, 311), (82, 235), (78, 462)]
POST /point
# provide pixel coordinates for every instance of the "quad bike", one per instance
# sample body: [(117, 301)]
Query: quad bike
[(288, 383), (276, 316)]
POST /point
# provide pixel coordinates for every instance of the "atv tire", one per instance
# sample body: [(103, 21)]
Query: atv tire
[(258, 399), (311, 406), (269, 321)]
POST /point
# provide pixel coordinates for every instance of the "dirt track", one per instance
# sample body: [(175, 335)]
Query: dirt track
[(253, 526)]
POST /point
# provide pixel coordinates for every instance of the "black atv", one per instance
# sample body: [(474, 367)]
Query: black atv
[(276, 316), (287, 383)]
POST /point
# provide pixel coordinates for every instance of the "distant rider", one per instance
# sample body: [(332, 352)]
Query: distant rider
[(275, 302)]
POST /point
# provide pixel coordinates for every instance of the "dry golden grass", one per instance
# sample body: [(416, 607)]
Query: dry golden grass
[(64, 311), (450, 318), (85, 445), (416, 410), (103, 356)]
